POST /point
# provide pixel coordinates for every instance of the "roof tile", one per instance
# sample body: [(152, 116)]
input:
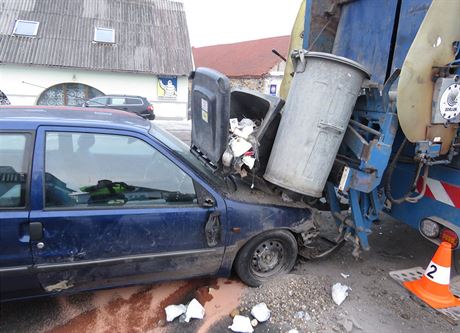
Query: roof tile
[(252, 58), (151, 35)]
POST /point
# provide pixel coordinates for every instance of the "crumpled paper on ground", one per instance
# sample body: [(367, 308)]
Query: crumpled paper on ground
[(174, 311), (261, 312), (339, 293), (194, 310), (241, 324)]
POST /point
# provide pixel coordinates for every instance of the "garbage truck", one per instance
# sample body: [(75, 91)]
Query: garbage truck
[(367, 122)]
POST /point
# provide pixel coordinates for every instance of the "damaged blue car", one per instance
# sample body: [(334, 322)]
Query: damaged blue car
[(93, 198)]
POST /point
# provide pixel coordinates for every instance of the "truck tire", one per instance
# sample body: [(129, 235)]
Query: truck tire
[(265, 256)]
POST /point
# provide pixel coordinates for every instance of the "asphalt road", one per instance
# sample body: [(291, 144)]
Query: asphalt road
[(180, 129)]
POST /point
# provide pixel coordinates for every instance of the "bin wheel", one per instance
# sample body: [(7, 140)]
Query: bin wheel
[(267, 255)]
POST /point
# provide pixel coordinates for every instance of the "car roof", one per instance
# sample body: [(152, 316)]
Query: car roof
[(129, 96), (30, 117)]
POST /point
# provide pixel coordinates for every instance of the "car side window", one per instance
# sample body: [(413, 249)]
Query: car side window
[(133, 101), (14, 166), (98, 101), (117, 101), (84, 170)]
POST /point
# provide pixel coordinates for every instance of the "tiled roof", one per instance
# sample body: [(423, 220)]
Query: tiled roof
[(252, 58), (151, 36)]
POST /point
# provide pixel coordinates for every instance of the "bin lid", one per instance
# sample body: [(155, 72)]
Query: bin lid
[(210, 108)]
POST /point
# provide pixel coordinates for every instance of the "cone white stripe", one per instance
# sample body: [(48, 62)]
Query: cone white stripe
[(438, 274), (439, 192)]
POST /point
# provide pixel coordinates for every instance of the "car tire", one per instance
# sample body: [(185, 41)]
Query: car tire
[(265, 256)]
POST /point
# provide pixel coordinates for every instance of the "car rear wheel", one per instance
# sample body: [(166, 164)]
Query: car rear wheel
[(265, 256)]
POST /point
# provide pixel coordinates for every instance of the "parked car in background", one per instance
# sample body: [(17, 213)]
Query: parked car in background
[(136, 104), (96, 198)]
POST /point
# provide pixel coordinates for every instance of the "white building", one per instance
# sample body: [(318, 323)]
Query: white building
[(65, 52)]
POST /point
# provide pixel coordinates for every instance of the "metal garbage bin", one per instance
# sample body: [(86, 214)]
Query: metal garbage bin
[(323, 93)]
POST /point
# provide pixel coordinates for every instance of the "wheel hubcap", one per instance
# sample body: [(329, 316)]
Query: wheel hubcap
[(267, 256)]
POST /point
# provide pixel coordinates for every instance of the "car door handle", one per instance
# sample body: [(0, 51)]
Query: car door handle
[(212, 229), (35, 231)]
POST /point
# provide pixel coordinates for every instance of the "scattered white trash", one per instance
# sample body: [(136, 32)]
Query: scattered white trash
[(194, 310), (261, 312), (239, 146), (246, 122), (233, 124), (241, 324), (245, 132), (339, 293), (249, 161), (293, 331), (174, 311)]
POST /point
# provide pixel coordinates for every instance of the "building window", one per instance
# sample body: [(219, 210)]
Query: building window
[(72, 94), (25, 28), (104, 35)]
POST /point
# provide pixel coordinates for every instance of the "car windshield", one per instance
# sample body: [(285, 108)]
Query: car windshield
[(183, 151)]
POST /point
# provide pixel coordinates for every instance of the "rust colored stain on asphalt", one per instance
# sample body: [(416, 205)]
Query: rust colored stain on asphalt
[(183, 294), (140, 309), (225, 297), (203, 295)]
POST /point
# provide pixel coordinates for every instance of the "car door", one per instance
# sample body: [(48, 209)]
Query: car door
[(16, 278), (117, 208)]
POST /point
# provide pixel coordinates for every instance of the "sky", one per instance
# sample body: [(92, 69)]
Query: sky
[(212, 22)]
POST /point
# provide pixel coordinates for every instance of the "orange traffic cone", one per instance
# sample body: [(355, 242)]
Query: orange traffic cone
[(433, 287)]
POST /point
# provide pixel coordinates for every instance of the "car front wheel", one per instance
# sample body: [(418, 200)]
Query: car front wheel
[(265, 256)]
